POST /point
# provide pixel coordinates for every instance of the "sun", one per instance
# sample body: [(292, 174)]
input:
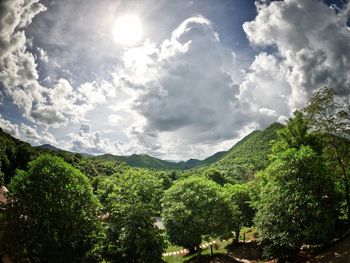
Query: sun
[(127, 30)]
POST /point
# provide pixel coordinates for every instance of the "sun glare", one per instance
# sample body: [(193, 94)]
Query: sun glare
[(127, 30)]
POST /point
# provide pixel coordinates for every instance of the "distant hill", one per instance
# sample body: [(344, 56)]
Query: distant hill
[(16, 154), (244, 158), (57, 150), (49, 147), (146, 161), (214, 158), (250, 154), (139, 160)]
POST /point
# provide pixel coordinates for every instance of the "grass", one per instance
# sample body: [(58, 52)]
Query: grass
[(220, 249), (249, 232)]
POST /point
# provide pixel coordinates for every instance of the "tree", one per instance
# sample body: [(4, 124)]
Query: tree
[(131, 235), (132, 201), (51, 213), (330, 117), (216, 176), (297, 202), (294, 135), (239, 197), (193, 209)]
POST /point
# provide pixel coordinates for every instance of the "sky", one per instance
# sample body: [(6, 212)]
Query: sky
[(172, 79)]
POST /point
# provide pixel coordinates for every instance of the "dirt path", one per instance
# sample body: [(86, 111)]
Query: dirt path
[(186, 251), (251, 252)]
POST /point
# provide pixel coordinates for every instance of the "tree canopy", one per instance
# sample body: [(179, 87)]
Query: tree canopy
[(131, 200), (329, 116), (194, 209), (297, 202), (238, 196), (51, 214)]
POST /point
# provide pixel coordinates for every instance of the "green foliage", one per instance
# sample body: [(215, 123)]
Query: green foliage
[(296, 202), (193, 209), (294, 135), (248, 156), (51, 214), (131, 201), (141, 184), (146, 161), (327, 115), (131, 235), (93, 167), (14, 154), (216, 176), (239, 164), (142, 161), (239, 197), (330, 117)]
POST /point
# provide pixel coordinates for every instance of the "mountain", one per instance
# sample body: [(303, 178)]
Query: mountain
[(214, 158), (52, 148), (244, 158), (139, 160), (250, 154), (49, 147), (146, 161)]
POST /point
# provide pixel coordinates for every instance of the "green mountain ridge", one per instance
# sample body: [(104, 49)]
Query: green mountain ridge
[(249, 155), (245, 157), (147, 161), (242, 160)]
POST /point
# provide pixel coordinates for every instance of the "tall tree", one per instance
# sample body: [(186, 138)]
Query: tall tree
[(51, 213), (296, 203), (239, 197), (131, 200), (329, 116), (193, 209)]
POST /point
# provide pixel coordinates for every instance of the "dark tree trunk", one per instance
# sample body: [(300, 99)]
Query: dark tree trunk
[(236, 239), (199, 251), (192, 250)]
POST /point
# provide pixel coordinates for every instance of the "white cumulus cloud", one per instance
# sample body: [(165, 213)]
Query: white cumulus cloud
[(310, 44), (183, 89)]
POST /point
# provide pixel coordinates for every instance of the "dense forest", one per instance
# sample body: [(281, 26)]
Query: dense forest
[(290, 183)]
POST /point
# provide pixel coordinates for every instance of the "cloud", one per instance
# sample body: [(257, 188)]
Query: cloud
[(183, 89), (92, 93), (8, 127), (56, 104), (65, 104), (15, 15), (49, 115), (17, 66), (114, 119), (178, 94), (87, 141), (42, 55), (310, 49), (57, 72), (85, 128), (265, 86), (27, 133)]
